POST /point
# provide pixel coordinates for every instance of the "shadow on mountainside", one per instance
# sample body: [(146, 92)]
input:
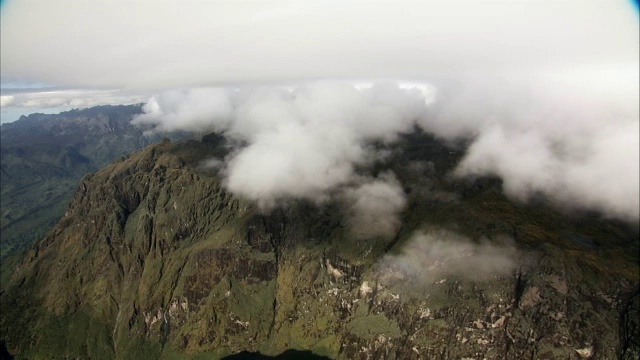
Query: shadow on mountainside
[(4, 353)]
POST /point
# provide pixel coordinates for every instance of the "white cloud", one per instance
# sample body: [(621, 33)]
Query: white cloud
[(374, 206), (576, 145), (599, 172), (436, 254), (303, 142), (6, 100), (24, 102), (567, 118), (71, 98), (198, 110), (574, 141)]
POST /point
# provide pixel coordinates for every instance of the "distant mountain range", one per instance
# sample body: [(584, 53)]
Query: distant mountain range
[(155, 259), (43, 157)]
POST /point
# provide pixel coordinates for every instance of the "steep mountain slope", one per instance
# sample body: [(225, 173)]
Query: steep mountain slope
[(155, 259), (43, 157)]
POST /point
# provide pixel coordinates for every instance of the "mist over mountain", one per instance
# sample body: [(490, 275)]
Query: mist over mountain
[(354, 180), (156, 258), (369, 220), (575, 146)]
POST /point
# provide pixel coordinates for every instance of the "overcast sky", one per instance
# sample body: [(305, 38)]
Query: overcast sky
[(145, 46), (547, 91)]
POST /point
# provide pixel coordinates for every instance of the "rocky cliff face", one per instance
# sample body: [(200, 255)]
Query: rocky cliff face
[(154, 259)]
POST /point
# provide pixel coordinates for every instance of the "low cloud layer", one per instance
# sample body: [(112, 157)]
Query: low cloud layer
[(577, 145), (434, 255), (197, 110), (305, 142), (374, 206), (574, 140), (17, 102), (547, 92), (43, 98)]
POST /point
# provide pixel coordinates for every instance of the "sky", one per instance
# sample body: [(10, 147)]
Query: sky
[(547, 91), (137, 47)]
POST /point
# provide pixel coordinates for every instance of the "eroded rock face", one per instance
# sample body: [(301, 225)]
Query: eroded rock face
[(155, 259)]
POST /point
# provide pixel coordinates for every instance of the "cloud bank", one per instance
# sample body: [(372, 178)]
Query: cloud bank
[(547, 92), (574, 141), (17, 102), (42, 98), (576, 145), (308, 142)]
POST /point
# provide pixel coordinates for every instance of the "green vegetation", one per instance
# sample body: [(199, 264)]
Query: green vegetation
[(372, 326), (154, 259), (43, 157)]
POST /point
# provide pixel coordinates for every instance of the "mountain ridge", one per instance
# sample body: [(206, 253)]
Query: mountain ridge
[(155, 259), (44, 156)]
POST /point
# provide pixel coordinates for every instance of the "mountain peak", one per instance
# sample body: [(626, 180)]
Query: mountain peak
[(155, 258)]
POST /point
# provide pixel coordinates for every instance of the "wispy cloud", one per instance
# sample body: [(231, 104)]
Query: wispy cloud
[(374, 206), (429, 256)]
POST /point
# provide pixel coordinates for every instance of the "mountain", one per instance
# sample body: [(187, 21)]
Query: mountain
[(155, 259), (43, 157)]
